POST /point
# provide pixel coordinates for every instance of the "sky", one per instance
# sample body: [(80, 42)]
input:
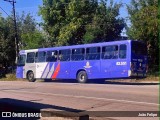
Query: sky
[(28, 6), (32, 7)]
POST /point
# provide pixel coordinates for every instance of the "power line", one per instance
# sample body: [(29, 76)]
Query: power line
[(4, 11)]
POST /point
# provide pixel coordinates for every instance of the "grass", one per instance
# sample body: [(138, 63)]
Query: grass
[(9, 77), (153, 76)]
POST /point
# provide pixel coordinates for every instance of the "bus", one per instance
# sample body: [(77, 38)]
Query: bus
[(115, 59)]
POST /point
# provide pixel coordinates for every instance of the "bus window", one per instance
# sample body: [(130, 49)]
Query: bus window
[(64, 55), (123, 51), (93, 53), (51, 56), (40, 57), (30, 57), (110, 52), (78, 54), (21, 60), (139, 48)]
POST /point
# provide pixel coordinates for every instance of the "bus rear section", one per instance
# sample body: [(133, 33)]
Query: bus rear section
[(139, 61)]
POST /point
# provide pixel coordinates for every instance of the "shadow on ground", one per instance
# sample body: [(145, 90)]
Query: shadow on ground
[(131, 83), (109, 81), (31, 110)]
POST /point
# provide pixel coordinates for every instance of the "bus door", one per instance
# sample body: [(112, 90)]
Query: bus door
[(30, 63), (20, 71), (40, 60), (77, 58), (92, 64)]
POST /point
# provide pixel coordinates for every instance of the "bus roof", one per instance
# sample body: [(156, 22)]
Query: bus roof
[(77, 46)]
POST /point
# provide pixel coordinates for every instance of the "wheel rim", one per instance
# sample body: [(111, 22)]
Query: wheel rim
[(30, 76), (82, 77)]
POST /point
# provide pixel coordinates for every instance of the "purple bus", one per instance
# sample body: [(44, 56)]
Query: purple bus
[(116, 59)]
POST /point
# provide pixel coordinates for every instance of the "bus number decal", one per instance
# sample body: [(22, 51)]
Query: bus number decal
[(121, 63)]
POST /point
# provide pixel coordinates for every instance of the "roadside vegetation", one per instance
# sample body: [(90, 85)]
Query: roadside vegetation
[(9, 77), (68, 22)]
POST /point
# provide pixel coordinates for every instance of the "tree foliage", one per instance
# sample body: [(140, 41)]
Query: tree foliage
[(144, 20), (106, 25), (28, 35), (7, 43), (81, 21), (33, 40)]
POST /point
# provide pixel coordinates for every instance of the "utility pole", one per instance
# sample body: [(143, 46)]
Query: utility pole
[(15, 28)]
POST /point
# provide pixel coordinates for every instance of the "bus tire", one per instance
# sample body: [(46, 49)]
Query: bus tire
[(82, 77), (30, 76)]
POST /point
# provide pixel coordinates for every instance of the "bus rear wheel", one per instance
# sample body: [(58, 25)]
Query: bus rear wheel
[(82, 77), (30, 77)]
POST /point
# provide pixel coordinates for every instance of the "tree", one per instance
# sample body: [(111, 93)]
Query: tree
[(144, 19), (53, 13), (79, 13), (106, 25), (28, 35), (80, 21), (33, 40), (7, 43)]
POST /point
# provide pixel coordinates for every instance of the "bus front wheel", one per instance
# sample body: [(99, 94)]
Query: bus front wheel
[(82, 77), (30, 77)]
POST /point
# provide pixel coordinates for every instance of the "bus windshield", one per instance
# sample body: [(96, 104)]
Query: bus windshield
[(139, 48), (21, 60)]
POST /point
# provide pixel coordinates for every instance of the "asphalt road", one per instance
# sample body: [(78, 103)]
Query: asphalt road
[(109, 101)]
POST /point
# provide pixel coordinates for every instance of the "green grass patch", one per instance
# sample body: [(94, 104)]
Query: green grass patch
[(9, 77), (153, 76)]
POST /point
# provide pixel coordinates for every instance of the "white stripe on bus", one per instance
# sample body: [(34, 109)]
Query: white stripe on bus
[(46, 71), (50, 72)]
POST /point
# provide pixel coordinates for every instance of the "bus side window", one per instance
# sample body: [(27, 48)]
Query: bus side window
[(64, 55), (123, 51), (51, 56), (115, 52), (21, 60), (30, 57), (40, 57), (110, 52), (93, 53), (78, 54)]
